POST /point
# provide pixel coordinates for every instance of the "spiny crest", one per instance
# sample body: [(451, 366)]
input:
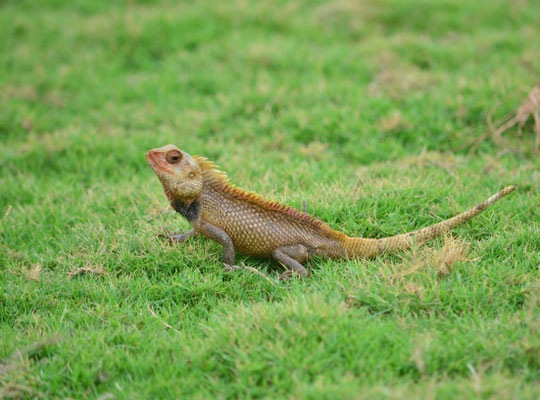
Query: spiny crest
[(212, 172)]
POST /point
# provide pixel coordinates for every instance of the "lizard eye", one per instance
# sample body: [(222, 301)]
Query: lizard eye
[(173, 157)]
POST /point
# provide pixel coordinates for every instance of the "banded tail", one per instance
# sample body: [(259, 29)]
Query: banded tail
[(361, 247)]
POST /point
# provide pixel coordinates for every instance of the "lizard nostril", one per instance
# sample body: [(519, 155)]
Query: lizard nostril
[(152, 157)]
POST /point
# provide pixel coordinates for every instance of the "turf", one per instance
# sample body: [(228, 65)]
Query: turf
[(360, 108)]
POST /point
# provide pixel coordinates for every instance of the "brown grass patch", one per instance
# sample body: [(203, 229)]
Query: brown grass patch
[(396, 78), (393, 122), (528, 110), (441, 259), (88, 269), (33, 273)]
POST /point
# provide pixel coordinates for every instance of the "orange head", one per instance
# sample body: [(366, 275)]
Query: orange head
[(179, 173)]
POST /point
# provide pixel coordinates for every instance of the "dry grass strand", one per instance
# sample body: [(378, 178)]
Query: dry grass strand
[(94, 269)]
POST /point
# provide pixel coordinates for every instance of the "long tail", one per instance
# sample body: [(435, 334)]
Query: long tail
[(361, 247)]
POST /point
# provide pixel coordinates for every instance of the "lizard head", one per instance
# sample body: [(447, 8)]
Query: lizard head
[(179, 173)]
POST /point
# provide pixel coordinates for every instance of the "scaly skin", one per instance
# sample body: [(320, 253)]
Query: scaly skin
[(251, 224)]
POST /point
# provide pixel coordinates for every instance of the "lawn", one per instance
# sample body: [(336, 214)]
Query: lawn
[(364, 109)]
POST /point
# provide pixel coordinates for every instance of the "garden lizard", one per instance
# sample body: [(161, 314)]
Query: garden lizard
[(251, 224)]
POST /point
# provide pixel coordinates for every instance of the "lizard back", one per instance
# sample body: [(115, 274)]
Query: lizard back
[(257, 225)]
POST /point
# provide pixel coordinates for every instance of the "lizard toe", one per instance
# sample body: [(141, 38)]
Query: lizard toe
[(286, 275), (228, 267)]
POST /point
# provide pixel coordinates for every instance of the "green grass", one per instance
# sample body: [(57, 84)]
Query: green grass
[(356, 107)]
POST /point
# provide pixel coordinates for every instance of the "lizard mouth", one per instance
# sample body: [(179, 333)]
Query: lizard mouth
[(157, 163), (152, 159)]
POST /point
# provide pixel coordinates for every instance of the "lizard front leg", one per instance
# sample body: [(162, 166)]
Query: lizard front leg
[(220, 236), (292, 257)]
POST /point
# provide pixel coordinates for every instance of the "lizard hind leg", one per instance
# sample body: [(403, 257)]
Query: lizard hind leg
[(292, 257)]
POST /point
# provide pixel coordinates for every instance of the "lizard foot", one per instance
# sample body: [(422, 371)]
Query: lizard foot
[(167, 235), (286, 275), (228, 267), (174, 237), (289, 274)]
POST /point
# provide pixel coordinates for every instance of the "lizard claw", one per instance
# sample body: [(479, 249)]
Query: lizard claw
[(286, 275), (228, 267), (168, 235)]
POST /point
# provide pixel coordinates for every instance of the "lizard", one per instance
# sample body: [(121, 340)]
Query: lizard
[(251, 224)]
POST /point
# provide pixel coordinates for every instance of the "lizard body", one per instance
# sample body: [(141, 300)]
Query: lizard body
[(254, 225)]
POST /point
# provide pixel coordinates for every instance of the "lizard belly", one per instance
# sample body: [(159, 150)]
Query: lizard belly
[(259, 238), (253, 233), (256, 231)]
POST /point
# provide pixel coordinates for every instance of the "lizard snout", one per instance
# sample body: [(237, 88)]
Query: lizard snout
[(152, 157)]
